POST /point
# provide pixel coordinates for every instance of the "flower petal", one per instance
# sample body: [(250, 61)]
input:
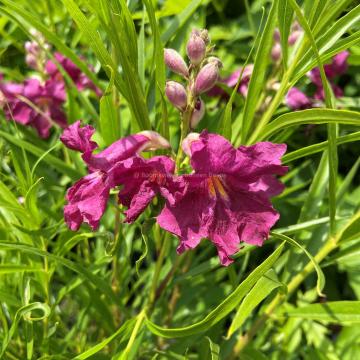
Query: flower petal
[(78, 138), (87, 201)]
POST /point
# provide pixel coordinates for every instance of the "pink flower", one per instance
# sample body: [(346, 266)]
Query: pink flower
[(35, 104), (231, 82), (114, 166), (143, 180), (296, 99), (81, 81), (337, 67), (226, 199)]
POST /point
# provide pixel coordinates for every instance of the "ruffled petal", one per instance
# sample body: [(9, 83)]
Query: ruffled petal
[(78, 138), (87, 201)]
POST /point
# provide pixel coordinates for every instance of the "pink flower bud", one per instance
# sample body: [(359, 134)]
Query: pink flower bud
[(156, 141), (175, 62), (208, 76), (277, 35), (197, 114), (276, 52), (293, 37), (176, 94), (186, 144), (196, 48)]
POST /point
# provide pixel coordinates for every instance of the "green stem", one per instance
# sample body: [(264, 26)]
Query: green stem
[(158, 265), (185, 126)]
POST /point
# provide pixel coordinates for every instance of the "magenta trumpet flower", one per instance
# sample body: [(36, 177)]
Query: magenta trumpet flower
[(81, 81), (227, 198), (109, 168), (35, 104)]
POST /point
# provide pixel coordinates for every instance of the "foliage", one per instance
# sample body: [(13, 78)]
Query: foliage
[(122, 292)]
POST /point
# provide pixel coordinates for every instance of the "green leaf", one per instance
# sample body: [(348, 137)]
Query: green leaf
[(222, 309), (214, 350), (311, 116), (225, 123), (316, 148), (130, 86), (95, 280), (285, 15), (11, 268), (24, 312), (109, 120), (257, 79), (49, 159), (316, 192), (161, 113), (258, 293), (320, 283), (339, 312), (123, 332)]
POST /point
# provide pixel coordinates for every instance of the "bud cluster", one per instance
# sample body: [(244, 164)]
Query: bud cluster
[(35, 51), (200, 75)]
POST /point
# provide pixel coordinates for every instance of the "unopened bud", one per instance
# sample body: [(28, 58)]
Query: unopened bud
[(197, 114), (208, 76), (293, 37), (156, 141), (175, 62), (276, 52), (196, 48), (176, 94), (186, 144)]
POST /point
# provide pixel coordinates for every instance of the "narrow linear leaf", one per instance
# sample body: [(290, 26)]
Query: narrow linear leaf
[(311, 116), (285, 15), (320, 275), (109, 120), (58, 164), (123, 332), (95, 280), (222, 309), (316, 148), (258, 293), (338, 312), (256, 83)]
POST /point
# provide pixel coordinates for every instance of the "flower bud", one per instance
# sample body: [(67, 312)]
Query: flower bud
[(176, 94), (293, 37), (197, 114), (196, 48), (276, 52), (208, 76), (32, 51), (175, 62), (156, 141), (186, 144)]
